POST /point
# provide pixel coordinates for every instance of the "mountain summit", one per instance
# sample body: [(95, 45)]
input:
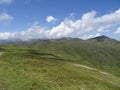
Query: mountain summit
[(100, 38), (103, 39)]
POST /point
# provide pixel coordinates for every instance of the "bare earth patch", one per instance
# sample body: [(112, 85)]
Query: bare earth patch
[(89, 68)]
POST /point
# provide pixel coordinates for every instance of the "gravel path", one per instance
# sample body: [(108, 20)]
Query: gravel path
[(89, 68)]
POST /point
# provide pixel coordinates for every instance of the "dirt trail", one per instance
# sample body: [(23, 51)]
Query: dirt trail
[(89, 68), (110, 78)]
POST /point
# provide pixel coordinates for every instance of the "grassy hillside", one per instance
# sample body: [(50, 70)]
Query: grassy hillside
[(103, 55), (60, 65)]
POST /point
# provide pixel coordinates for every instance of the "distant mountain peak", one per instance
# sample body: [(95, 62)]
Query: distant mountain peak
[(101, 38)]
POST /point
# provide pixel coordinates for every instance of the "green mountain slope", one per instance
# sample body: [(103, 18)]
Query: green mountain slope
[(64, 64), (22, 70), (104, 54)]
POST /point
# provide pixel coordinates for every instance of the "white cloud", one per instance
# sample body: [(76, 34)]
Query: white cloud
[(98, 34), (118, 11), (5, 17), (6, 35), (78, 28), (6, 1), (100, 24), (50, 19), (84, 37), (63, 29), (117, 31)]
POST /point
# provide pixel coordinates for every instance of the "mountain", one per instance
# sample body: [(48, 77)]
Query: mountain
[(104, 39), (101, 52), (64, 64), (101, 38), (24, 42)]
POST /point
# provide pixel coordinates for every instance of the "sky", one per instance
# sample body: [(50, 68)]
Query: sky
[(35, 19)]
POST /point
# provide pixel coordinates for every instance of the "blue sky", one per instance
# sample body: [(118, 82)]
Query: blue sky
[(84, 19)]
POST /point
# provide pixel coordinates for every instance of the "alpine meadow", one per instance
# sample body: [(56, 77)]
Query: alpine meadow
[(59, 45)]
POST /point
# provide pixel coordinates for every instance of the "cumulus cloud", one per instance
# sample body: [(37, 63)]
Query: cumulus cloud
[(50, 19), (98, 34), (101, 24), (7, 35), (5, 17), (84, 37), (34, 32), (6, 1), (118, 11), (89, 22), (117, 31)]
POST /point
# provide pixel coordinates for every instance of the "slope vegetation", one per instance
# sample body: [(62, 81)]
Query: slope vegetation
[(64, 64)]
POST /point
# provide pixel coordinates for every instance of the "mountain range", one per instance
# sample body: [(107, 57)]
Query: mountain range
[(49, 64), (102, 38)]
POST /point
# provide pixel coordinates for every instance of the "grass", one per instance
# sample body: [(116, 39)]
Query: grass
[(23, 68), (101, 55)]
